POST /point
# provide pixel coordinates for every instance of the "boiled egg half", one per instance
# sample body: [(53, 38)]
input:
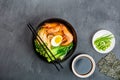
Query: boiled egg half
[(56, 40)]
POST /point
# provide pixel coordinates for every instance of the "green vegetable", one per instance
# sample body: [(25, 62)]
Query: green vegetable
[(103, 42), (59, 52)]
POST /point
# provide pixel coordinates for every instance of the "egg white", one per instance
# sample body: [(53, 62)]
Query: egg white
[(53, 41)]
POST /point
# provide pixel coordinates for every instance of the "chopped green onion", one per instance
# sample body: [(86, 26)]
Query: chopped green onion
[(103, 42)]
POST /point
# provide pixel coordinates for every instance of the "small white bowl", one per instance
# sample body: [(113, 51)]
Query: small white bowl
[(92, 68), (99, 34)]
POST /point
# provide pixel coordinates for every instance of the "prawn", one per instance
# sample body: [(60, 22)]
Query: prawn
[(50, 25), (68, 37), (53, 30)]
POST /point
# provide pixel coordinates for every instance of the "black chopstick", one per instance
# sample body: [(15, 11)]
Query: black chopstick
[(35, 34), (43, 47), (44, 44)]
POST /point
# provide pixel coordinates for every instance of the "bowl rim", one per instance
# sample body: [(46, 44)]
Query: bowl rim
[(93, 65)]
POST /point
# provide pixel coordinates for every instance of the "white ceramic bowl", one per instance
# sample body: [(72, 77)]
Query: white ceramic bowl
[(99, 34), (90, 72)]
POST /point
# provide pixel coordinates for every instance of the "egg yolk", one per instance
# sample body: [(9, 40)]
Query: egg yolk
[(58, 39)]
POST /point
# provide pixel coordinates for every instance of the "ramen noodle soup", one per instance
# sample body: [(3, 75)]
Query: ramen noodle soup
[(57, 38)]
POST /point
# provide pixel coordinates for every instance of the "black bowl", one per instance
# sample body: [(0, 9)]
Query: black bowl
[(69, 27)]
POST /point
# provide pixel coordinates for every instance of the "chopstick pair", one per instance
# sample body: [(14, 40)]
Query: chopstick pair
[(44, 46)]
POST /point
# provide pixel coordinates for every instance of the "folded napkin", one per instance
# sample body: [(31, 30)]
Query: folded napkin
[(110, 66)]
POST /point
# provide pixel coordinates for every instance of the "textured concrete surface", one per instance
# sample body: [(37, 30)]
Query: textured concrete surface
[(17, 58)]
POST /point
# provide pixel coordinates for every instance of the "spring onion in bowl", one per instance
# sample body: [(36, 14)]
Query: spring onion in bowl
[(103, 42)]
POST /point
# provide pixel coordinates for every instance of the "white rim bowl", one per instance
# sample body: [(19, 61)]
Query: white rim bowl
[(101, 33), (92, 67)]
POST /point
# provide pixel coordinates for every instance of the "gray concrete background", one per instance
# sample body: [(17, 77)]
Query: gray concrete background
[(17, 58)]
